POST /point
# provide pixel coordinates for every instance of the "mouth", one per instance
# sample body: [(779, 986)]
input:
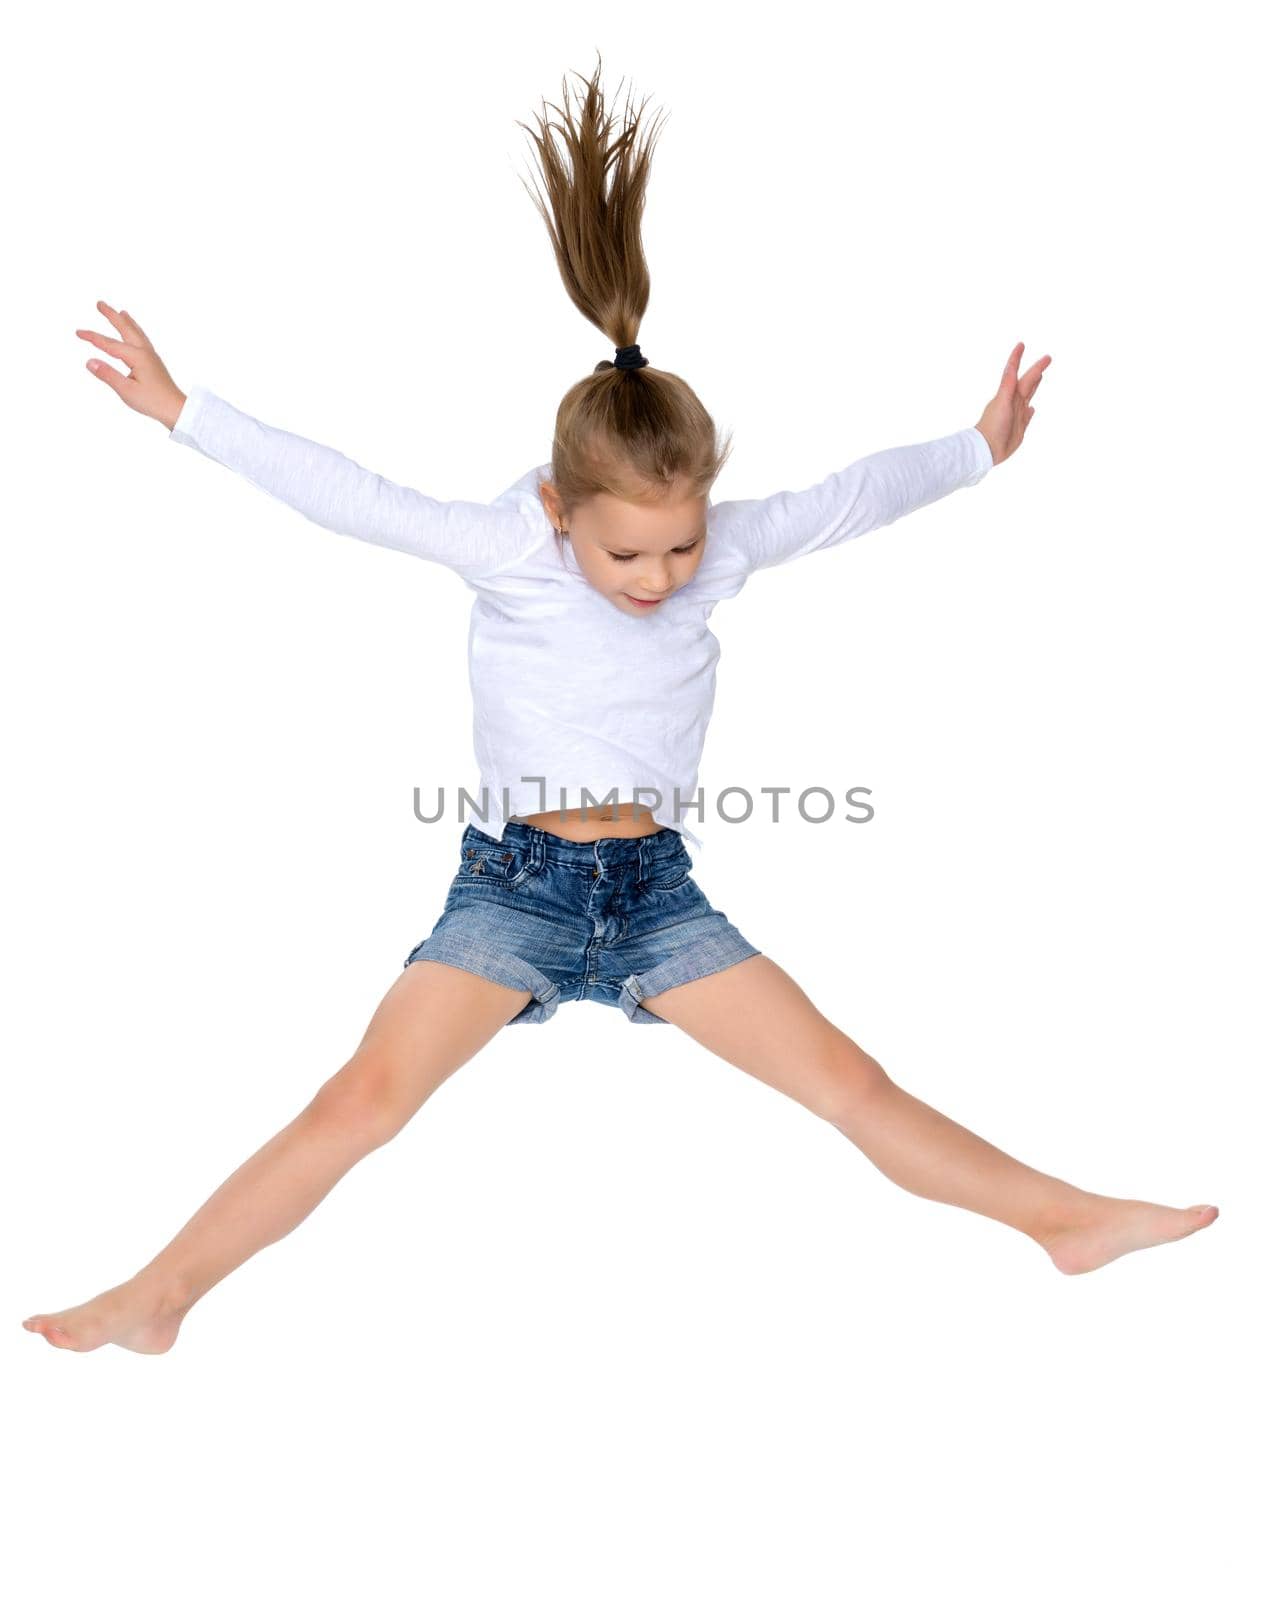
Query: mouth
[(636, 602)]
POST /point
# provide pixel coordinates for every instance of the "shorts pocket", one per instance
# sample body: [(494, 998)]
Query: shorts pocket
[(671, 873), (501, 865)]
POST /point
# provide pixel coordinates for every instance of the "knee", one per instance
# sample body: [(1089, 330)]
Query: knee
[(851, 1077), (358, 1099)]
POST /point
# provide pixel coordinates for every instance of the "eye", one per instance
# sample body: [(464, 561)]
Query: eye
[(681, 550)]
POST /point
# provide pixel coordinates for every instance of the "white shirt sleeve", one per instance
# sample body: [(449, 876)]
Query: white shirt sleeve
[(874, 491), (334, 492)]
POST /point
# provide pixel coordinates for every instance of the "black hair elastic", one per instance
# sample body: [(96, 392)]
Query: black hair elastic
[(628, 357)]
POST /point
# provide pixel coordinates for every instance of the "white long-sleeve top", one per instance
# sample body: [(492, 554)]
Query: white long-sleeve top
[(573, 698)]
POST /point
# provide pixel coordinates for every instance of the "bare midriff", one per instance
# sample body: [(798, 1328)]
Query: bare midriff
[(586, 824)]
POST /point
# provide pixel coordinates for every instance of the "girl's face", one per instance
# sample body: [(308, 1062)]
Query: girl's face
[(634, 553)]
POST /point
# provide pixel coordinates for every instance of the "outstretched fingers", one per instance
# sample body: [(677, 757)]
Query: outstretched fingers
[(138, 336), (113, 317), (124, 325), (1009, 377), (1030, 379), (111, 347), (131, 344), (1027, 383)]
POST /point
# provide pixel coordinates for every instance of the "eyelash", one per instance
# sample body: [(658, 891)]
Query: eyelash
[(682, 550)]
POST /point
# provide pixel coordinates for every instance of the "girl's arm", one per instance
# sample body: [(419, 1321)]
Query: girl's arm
[(883, 487), (326, 487), (874, 491), (335, 492)]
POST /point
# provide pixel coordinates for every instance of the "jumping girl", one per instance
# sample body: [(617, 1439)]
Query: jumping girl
[(592, 670)]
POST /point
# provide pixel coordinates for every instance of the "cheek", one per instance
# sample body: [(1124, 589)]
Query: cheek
[(609, 584)]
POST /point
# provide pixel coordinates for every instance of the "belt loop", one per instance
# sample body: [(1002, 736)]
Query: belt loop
[(537, 846), (642, 869)]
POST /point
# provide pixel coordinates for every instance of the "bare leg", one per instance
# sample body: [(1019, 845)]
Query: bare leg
[(432, 1020), (758, 1018)]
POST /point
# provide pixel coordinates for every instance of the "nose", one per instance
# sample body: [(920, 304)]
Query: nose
[(648, 587)]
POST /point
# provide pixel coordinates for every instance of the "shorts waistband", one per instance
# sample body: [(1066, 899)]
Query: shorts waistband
[(544, 846)]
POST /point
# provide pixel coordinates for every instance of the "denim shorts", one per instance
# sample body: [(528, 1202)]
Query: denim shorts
[(613, 920)]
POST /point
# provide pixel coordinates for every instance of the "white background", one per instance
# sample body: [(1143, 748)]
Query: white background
[(609, 1317)]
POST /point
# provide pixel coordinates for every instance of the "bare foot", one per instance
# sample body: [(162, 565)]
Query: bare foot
[(132, 1315), (1114, 1227)]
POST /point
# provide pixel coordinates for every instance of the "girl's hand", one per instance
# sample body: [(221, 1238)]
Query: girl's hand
[(1005, 420), (147, 387)]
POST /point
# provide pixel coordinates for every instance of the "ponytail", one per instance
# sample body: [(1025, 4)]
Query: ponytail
[(630, 429)]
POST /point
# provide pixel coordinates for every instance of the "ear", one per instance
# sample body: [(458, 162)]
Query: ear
[(550, 502)]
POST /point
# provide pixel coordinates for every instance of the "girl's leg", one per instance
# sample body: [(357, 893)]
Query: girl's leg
[(758, 1018), (432, 1019)]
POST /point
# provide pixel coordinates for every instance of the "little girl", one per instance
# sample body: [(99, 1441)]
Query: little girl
[(593, 671)]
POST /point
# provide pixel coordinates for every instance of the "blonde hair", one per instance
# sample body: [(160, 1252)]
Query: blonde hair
[(626, 432)]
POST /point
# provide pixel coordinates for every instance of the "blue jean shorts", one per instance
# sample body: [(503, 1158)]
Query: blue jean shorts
[(613, 920)]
